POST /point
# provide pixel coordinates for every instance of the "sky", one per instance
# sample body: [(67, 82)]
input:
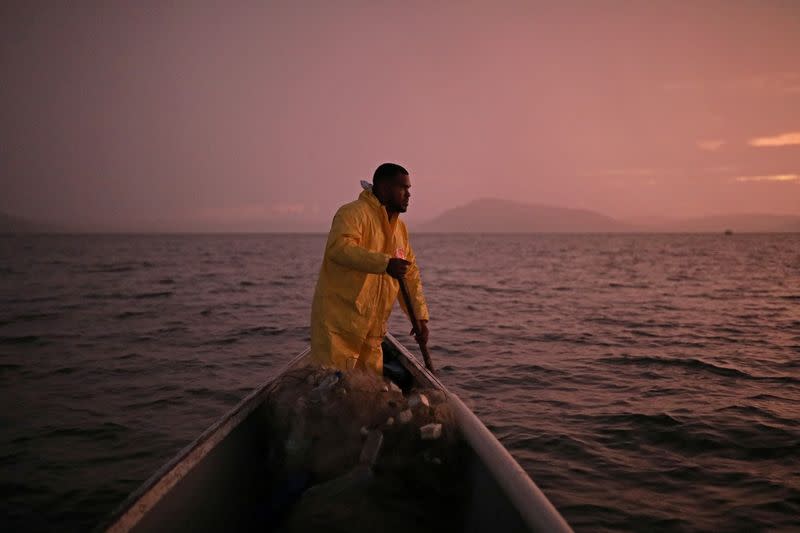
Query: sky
[(263, 115)]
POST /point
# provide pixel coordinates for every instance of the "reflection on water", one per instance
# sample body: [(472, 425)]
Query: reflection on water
[(644, 381)]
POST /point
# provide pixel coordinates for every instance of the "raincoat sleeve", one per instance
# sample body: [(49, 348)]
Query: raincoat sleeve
[(344, 246), (414, 284)]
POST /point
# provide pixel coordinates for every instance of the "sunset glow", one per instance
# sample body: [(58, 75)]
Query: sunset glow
[(776, 177), (232, 117), (785, 139)]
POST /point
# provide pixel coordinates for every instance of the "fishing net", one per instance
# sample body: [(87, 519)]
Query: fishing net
[(320, 422)]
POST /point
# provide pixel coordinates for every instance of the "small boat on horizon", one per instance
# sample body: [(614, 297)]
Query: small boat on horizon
[(217, 482)]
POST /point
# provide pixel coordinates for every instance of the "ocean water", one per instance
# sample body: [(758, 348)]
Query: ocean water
[(645, 382)]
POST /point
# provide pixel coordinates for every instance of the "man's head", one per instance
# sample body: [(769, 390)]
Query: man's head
[(391, 185)]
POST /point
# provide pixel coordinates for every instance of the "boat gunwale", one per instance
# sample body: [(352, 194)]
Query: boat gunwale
[(535, 509), (128, 513)]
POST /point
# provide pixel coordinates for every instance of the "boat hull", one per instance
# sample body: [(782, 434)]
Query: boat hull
[(220, 482)]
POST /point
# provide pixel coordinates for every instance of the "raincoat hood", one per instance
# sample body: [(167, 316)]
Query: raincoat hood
[(368, 196)]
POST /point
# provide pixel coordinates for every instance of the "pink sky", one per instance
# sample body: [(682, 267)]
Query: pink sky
[(243, 111)]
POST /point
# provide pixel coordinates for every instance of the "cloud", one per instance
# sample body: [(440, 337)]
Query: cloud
[(784, 139), (678, 171), (784, 178), (786, 82), (711, 145)]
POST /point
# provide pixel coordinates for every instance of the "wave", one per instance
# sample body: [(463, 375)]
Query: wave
[(693, 364), (242, 334), (21, 339), (129, 355), (560, 444), (119, 267), (740, 438), (123, 296), (260, 331), (639, 420), (106, 296), (477, 286), (630, 324), (132, 314), (773, 397), (221, 342), (29, 317), (33, 299), (535, 369), (112, 269), (220, 395), (754, 413), (105, 431), (629, 285), (146, 295)]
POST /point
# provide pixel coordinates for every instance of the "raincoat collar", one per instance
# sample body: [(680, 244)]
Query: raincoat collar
[(368, 196)]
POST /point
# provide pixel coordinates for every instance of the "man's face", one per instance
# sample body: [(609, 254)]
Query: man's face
[(398, 194)]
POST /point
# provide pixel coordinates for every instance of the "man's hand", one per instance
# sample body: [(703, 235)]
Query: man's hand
[(397, 267), (422, 336)]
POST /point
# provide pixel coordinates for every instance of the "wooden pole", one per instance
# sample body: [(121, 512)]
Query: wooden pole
[(415, 324)]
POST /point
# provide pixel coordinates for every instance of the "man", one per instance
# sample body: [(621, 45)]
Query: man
[(366, 253)]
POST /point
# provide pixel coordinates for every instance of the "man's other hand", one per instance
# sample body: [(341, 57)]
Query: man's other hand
[(397, 267), (422, 336)]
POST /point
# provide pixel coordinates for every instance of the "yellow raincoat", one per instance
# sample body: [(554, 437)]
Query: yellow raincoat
[(354, 294)]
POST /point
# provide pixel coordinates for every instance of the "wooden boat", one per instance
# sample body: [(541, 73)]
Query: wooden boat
[(212, 484)]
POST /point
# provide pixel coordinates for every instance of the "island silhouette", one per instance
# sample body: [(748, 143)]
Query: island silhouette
[(486, 215)]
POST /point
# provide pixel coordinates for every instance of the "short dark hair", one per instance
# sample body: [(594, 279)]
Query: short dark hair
[(387, 171)]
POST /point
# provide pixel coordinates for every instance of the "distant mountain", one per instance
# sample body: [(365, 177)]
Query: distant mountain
[(649, 223), (491, 215), (12, 224), (488, 215), (791, 227), (745, 223)]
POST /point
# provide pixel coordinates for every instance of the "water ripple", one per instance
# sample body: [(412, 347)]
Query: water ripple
[(645, 382)]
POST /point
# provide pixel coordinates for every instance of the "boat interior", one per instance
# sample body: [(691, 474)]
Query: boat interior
[(224, 482)]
